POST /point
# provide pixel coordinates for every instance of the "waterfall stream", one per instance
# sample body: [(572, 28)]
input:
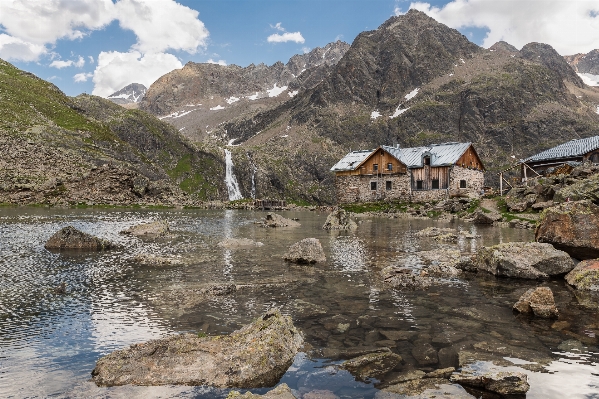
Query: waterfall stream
[(230, 179), (253, 192)]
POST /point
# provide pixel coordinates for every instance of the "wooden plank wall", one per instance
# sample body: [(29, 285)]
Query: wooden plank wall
[(428, 174), (380, 157), (470, 160)]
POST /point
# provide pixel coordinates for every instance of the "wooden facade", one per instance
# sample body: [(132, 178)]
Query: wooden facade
[(430, 178), (379, 163), (470, 160)]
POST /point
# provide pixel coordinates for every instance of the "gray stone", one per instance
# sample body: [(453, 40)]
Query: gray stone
[(538, 301), (425, 354), (528, 260), (69, 238), (306, 251), (339, 220), (448, 357), (405, 278), (260, 353), (502, 382), (276, 220), (151, 230), (239, 243), (441, 373), (371, 365), (481, 217), (280, 392), (585, 276)]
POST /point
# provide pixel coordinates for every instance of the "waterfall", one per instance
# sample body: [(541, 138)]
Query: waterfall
[(230, 180), (253, 192)]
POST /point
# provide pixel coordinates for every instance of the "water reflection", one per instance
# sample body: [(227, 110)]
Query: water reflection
[(50, 343)]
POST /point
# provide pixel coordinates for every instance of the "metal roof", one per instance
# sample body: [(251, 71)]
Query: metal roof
[(566, 150), (441, 154), (352, 160)]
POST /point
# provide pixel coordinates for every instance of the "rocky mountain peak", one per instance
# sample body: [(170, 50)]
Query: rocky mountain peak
[(545, 54), (129, 94), (584, 63), (505, 47)]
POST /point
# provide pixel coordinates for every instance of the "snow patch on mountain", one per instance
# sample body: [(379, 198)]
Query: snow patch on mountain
[(217, 108), (375, 114), (275, 91), (398, 111), (129, 94), (589, 79), (232, 100), (412, 94)]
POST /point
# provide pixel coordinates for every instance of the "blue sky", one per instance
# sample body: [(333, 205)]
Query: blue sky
[(99, 46)]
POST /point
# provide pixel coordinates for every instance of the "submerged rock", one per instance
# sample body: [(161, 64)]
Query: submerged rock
[(276, 220), (585, 276), (69, 238), (239, 243), (306, 251), (255, 356), (571, 227), (405, 278), (339, 220), (538, 301), (60, 289), (280, 392), (150, 230), (530, 260), (501, 382), (157, 260), (372, 365), (419, 386)]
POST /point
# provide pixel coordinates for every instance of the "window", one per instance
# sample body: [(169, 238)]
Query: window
[(595, 158), (389, 166), (462, 183), (419, 184), (427, 160), (388, 185), (373, 185), (435, 184), (375, 167)]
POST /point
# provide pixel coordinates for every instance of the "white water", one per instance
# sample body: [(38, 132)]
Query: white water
[(230, 180), (253, 192)]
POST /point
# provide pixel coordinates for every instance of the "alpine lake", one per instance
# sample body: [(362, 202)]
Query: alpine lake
[(49, 342)]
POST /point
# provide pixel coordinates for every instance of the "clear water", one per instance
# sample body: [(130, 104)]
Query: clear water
[(49, 343)]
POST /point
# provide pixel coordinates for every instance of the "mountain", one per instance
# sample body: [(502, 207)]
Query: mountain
[(130, 94), (199, 97), (62, 150), (586, 65)]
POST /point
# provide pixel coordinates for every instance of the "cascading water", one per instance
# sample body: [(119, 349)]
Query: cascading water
[(230, 180), (253, 192)]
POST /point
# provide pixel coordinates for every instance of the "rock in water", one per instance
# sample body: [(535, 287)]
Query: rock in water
[(255, 356), (371, 365), (530, 260), (148, 230), (538, 301), (585, 276), (306, 251), (339, 220), (503, 382), (572, 227), (280, 392), (480, 217), (69, 238), (276, 220), (239, 243)]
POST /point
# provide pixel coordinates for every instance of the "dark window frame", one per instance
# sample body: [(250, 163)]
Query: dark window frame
[(389, 166), (463, 184), (388, 185), (435, 182), (375, 167), (420, 183), (373, 185)]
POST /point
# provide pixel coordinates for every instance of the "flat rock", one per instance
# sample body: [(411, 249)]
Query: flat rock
[(585, 276), (481, 217), (414, 387), (571, 227), (538, 301), (372, 365), (150, 230), (339, 220), (69, 238), (276, 220), (405, 278), (157, 260), (425, 354), (501, 382), (260, 353), (280, 392), (306, 251), (529, 260)]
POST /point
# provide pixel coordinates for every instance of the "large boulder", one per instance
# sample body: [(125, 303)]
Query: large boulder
[(572, 227), (501, 382), (531, 260), (539, 301), (585, 276), (371, 365), (69, 238), (584, 189), (481, 217), (276, 220), (306, 251), (150, 230), (255, 356), (339, 220)]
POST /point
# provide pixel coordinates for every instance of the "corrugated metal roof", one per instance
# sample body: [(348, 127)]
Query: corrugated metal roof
[(570, 149), (441, 154), (351, 160)]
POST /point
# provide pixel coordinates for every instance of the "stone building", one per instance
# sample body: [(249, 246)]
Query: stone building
[(416, 174)]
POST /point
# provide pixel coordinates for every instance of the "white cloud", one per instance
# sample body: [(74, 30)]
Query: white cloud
[(161, 25), (219, 62), (91, 59), (63, 64), (116, 70), (568, 26), (30, 26), (278, 27), (80, 62), (82, 77), (286, 37), (12, 48)]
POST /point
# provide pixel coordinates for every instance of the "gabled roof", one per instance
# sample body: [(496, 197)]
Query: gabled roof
[(352, 160), (570, 149), (441, 154)]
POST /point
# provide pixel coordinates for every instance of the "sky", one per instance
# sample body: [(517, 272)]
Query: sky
[(100, 46)]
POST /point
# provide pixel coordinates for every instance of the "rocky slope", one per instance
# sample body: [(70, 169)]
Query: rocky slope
[(586, 65), (414, 81), (59, 150), (130, 94)]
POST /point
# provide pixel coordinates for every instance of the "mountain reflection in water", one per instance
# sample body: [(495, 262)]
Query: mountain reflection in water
[(50, 342)]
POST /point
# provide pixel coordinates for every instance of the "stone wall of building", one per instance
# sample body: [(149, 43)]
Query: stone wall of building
[(351, 189), (429, 195), (475, 181)]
